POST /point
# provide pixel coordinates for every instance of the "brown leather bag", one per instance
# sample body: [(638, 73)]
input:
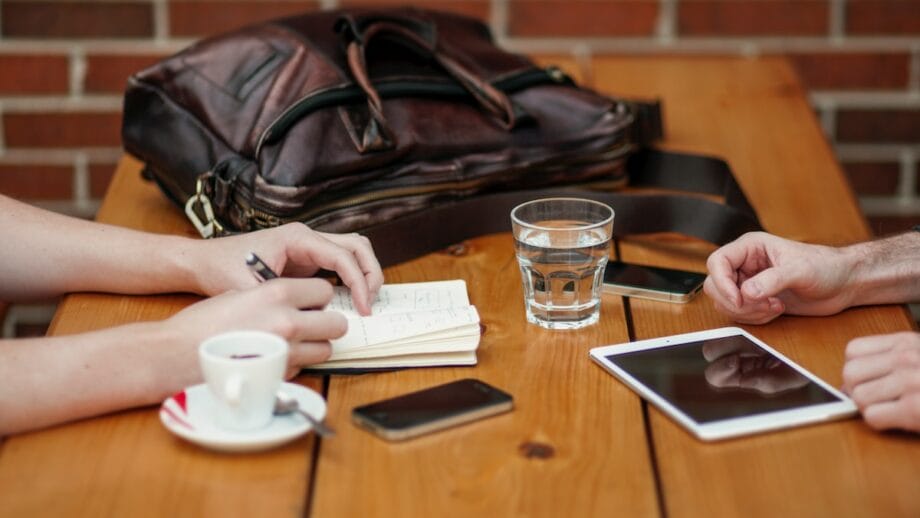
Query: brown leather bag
[(387, 121)]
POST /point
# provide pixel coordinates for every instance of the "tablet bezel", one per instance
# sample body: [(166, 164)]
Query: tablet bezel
[(732, 427)]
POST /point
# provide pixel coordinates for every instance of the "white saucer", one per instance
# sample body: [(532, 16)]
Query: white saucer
[(189, 414)]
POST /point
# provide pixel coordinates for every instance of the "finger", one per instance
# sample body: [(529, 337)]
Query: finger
[(903, 413), (886, 388), (759, 312), (768, 283), (866, 368), (341, 260), (303, 354), (297, 293), (312, 326), (870, 345), (722, 279), (363, 251)]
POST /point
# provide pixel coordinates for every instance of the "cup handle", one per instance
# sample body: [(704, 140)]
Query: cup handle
[(233, 390)]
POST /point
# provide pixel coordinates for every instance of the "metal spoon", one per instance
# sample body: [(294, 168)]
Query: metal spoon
[(286, 404)]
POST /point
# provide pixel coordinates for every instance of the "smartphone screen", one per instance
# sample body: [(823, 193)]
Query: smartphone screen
[(633, 280), (432, 409)]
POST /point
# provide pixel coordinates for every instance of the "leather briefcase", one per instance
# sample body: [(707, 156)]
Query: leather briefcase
[(380, 120)]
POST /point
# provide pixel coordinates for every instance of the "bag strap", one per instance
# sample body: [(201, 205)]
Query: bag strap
[(436, 228)]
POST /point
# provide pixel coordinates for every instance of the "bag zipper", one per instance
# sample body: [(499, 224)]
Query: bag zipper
[(261, 218), (390, 89)]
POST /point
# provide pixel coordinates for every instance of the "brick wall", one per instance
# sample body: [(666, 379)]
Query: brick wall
[(63, 65)]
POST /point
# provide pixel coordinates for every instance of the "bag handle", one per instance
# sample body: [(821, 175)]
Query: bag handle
[(359, 31), (437, 228)]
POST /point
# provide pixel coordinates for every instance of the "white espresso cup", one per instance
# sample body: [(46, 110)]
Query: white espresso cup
[(244, 370)]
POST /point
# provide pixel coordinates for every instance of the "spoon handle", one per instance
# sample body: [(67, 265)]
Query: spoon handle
[(321, 429)]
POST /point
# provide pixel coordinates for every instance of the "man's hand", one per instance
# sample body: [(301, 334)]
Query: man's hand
[(882, 375)]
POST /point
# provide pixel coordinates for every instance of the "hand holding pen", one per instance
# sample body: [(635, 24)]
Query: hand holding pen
[(261, 270)]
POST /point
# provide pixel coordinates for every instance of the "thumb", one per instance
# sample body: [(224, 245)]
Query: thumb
[(767, 283)]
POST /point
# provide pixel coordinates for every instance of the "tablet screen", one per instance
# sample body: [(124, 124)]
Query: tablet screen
[(722, 378)]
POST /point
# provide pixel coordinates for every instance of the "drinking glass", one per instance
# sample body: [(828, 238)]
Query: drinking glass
[(562, 246)]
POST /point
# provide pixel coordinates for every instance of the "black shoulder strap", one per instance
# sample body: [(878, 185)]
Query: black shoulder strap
[(436, 228)]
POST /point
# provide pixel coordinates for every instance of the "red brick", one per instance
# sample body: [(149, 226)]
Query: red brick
[(582, 18), (100, 176), (36, 182), (206, 17), (70, 129), (109, 72), (864, 70), (752, 17), (50, 19), (883, 17), (476, 9), (888, 225), (873, 178), (882, 126), (33, 74)]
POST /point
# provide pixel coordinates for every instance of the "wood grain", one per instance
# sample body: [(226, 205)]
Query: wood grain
[(784, 165), (578, 443), (591, 429)]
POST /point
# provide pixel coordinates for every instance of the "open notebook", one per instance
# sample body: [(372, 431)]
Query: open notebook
[(411, 325)]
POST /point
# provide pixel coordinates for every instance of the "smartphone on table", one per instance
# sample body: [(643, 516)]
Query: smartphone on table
[(432, 409), (652, 282)]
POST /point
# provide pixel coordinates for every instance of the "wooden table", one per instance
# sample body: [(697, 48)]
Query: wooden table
[(579, 443)]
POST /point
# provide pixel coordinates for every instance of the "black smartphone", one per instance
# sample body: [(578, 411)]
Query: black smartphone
[(432, 409), (651, 282)]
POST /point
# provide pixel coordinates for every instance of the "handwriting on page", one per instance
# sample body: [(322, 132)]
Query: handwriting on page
[(403, 298), (381, 329)]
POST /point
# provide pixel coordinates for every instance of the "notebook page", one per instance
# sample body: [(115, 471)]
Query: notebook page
[(405, 297)]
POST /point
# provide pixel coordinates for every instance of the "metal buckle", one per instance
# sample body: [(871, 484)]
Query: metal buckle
[(205, 222)]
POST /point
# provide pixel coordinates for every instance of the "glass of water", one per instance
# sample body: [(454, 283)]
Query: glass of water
[(562, 246)]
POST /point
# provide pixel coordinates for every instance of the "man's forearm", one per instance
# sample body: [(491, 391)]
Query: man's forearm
[(885, 271)]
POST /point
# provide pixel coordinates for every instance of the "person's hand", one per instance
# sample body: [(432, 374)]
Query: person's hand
[(291, 308), (291, 250), (737, 364), (882, 375), (759, 276)]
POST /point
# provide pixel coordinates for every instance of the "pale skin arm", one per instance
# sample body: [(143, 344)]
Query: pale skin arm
[(52, 380), (760, 276), (45, 254), (56, 379)]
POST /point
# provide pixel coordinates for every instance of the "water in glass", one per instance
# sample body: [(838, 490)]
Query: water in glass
[(562, 271)]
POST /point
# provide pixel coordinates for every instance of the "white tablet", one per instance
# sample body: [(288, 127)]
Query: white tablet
[(723, 383)]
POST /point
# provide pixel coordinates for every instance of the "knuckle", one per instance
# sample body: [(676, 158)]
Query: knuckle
[(274, 291), (285, 327)]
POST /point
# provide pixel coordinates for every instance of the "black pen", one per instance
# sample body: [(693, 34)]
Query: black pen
[(258, 267)]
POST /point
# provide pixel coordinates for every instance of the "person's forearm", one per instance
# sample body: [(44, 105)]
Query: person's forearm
[(885, 271), (46, 254), (47, 381)]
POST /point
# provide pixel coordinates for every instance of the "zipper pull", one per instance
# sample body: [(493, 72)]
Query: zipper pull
[(556, 74)]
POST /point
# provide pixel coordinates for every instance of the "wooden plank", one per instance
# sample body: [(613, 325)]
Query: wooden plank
[(590, 431), (127, 463), (752, 113)]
